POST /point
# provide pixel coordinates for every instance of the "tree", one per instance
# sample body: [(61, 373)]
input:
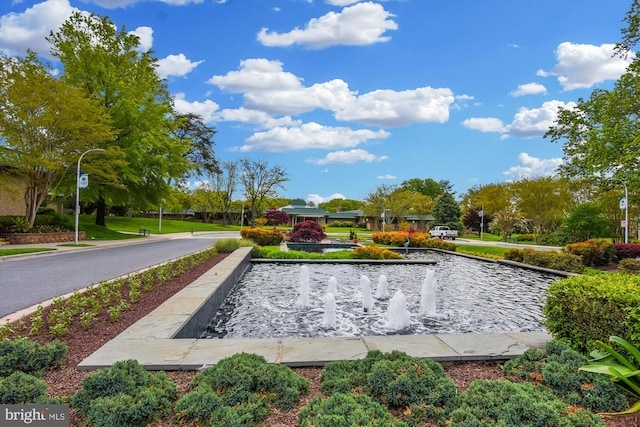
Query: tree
[(505, 222), (276, 217), (341, 205), (427, 187), (108, 65), (180, 200), (206, 201), (447, 211), (45, 124), (260, 181), (307, 231), (192, 132), (225, 183), (543, 202), (375, 204), (421, 205), (399, 203), (587, 221)]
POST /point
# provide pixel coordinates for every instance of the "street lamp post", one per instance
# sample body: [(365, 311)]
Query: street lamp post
[(626, 209), (78, 188)]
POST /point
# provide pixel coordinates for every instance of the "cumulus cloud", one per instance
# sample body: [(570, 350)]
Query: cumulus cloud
[(584, 65), (145, 35), (255, 117), (527, 122), (265, 86), (348, 157), (387, 176), (27, 30), (176, 65), (357, 25), (317, 199), (529, 89), (342, 2), (207, 109), (388, 108), (531, 167), (309, 136)]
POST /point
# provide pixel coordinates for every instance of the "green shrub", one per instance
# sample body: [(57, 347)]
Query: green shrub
[(394, 379), (558, 369), (240, 380), (595, 252), (546, 259), (505, 403), (581, 310), (262, 237), (629, 266), (346, 410), (124, 394), (21, 388), (341, 224), (514, 254), (30, 357)]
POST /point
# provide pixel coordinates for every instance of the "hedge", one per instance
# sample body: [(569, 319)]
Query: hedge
[(262, 237)]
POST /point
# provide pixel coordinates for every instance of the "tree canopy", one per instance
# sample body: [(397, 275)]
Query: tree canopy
[(46, 124)]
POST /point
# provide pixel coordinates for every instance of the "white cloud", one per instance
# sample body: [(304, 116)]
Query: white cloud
[(267, 121), (388, 108), (529, 89), (309, 136), (348, 157), (207, 109), (357, 25), (27, 30), (342, 2), (267, 87), (145, 35), (531, 167), (527, 122), (317, 199), (176, 65), (484, 124), (387, 176), (584, 65)]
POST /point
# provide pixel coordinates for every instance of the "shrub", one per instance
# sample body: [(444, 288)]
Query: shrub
[(242, 379), (373, 252), (21, 388), (546, 259), (558, 369), (625, 250), (346, 410), (124, 394), (416, 240), (262, 237), (307, 231), (505, 403), (594, 252), (629, 266), (276, 217), (394, 379), (30, 357), (226, 246), (341, 224), (580, 310)]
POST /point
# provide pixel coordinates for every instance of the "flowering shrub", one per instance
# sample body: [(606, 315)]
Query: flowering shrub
[(373, 252), (262, 237), (416, 240), (593, 252)]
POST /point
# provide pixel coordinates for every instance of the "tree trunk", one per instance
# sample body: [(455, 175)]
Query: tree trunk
[(101, 210)]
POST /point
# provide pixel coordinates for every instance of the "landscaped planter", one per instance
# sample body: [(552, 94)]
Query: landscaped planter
[(29, 238)]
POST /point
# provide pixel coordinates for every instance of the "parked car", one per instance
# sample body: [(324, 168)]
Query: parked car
[(443, 232)]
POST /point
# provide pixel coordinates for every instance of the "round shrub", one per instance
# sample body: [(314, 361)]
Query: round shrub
[(29, 356), (629, 266), (346, 410), (307, 231), (262, 237), (21, 388), (124, 394), (373, 252)]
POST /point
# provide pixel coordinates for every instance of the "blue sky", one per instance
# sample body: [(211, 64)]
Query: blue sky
[(348, 95)]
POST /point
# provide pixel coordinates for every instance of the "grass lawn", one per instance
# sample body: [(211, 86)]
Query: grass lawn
[(5, 252)]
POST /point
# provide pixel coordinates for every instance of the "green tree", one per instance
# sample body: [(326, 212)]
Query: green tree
[(427, 186), (375, 205), (587, 221), (225, 183), (447, 211), (421, 205), (543, 202), (192, 132), (399, 204), (260, 181), (206, 201), (504, 223), (341, 205), (107, 64), (45, 125), (179, 201)]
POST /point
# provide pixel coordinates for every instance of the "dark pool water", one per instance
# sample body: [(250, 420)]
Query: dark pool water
[(472, 297)]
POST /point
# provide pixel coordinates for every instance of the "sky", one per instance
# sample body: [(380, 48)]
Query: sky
[(348, 95)]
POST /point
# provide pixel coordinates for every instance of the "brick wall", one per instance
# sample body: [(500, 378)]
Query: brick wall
[(12, 197)]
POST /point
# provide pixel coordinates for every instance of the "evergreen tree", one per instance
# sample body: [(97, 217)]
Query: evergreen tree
[(447, 211)]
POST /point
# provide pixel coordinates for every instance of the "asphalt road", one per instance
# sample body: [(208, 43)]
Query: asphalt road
[(31, 280)]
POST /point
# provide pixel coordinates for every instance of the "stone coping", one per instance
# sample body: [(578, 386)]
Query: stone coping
[(152, 340)]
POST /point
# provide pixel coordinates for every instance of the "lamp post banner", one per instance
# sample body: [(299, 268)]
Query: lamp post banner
[(623, 203), (83, 180)]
